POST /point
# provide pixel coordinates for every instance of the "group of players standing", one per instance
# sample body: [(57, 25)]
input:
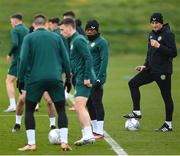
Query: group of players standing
[(45, 61)]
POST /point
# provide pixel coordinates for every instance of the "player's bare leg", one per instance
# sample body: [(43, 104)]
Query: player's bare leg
[(19, 111), (84, 118), (11, 93), (51, 110)]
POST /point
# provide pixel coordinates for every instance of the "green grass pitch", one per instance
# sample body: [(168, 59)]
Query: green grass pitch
[(117, 102)]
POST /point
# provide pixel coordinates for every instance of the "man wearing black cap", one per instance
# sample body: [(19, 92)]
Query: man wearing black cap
[(99, 50), (157, 67)]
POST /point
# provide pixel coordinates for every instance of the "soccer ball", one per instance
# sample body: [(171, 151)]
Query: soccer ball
[(54, 136), (132, 124)]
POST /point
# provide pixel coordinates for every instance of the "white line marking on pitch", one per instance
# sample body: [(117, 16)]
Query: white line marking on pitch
[(115, 146), (38, 115)]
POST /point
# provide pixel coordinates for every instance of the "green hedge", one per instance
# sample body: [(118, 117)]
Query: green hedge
[(125, 23)]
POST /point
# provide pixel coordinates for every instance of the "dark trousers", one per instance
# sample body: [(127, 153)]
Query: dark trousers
[(73, 80), (95, 105), (29, 114), (164, 83)]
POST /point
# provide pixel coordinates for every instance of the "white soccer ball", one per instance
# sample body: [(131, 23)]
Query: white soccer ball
[(132, 124), (54, 136)]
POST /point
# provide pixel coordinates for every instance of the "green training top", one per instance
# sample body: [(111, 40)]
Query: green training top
[(57, 31), (17, 35), (81, 59), (65, 41), (99, 49), (43, 56)]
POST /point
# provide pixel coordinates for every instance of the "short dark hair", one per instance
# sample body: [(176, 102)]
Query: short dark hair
[(39, 19), (17, 16), (70, 13), (68, 21), (54, 20), (78, 22)]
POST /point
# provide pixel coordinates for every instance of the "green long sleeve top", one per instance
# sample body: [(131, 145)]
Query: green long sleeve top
[(57, 31), (43, 55), (99, 49), (81, 59), (17, 36), (65, 41)]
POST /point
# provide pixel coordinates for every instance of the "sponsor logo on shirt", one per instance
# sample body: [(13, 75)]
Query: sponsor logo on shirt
[(163, 77), (93, 44), (71, 47), (159, 38)]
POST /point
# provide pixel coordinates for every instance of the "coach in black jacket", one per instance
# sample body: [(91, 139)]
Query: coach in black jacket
[(157, 67)]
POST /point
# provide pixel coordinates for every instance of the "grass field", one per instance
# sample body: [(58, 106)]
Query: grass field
[(117, 102)]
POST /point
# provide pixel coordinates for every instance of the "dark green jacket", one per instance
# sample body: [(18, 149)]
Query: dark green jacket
[(65, 41), (81, 59), (43, 56), (99, 49), (17, 35), (57, 31)]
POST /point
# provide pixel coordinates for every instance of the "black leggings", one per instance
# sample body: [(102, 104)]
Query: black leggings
[(95, 105), (29, 114), (164, 83)]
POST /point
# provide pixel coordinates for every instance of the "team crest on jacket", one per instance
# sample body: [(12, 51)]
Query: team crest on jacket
[(159, 38), (163, 77), (71, 47), (92, 44)]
